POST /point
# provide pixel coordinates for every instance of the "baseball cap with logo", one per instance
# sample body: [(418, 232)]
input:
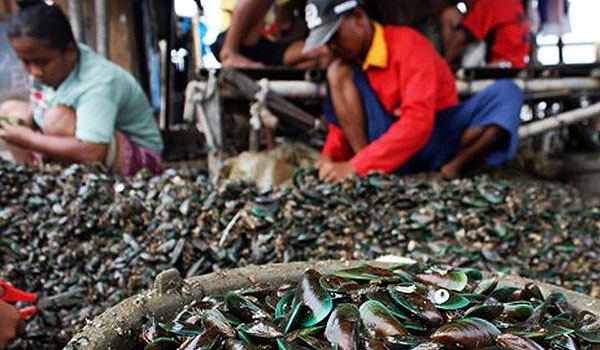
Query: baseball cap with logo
[(323, 18)]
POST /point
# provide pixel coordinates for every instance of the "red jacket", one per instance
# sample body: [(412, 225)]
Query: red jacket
[(412, 82), (505, 24)]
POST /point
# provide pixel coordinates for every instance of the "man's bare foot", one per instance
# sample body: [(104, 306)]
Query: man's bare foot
[(450, 172)]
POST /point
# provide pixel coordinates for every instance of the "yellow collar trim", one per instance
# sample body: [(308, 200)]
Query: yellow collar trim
[(378, 52)]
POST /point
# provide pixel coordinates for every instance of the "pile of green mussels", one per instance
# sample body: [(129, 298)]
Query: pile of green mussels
[(367, 307)]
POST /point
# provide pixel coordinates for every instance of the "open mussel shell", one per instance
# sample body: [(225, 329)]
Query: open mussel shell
[(455, 280), (162, 344), (485, 311), (417, 305), (533, 332), (555, 303), (466, 333), (414, 326), (205, 341), (555, 331), (427, 346), (565, 319), (152, 331), (389, 303), (559, 302), (477, 298), (304, 332), (243, 308), (311, 304), (378, 321), (233, 320), (371, 273), (486, 286), (532, 291), (563, 342), (516, 342), (589, 332), (518, 310), (234, 344), (214, 319), (313, 342), (265, 208), (286, 345), (343, 327), (445, 300), (506, 294), (472, 274), (475, 203), (182, 328), (337, 284), (284, 305), (369, 343), (492, 192)]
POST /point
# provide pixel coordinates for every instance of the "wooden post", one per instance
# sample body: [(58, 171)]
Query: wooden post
[(8, 7), (101, 8), (164, 81), (197, 43), (208, 110), (76, 19)]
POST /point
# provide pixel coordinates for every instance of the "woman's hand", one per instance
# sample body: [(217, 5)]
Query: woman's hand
[(11, 323), (17, 135)]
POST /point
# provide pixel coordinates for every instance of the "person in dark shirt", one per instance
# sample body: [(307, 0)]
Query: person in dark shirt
[(244, 44)]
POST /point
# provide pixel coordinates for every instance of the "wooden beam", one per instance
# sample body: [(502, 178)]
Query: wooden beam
[(76, 19), (285, 110), (559, 121), (101, 21)]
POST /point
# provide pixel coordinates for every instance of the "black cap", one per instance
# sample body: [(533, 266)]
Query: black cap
[(323, 18)]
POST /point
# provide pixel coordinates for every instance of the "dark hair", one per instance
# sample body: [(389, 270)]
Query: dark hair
[(41, 21)]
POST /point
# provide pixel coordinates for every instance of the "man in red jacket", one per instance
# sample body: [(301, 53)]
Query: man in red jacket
[(503, 24), (392, 104)]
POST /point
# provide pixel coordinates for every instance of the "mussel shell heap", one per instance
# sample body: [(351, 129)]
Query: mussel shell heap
[(408, 307), (68, 228)]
